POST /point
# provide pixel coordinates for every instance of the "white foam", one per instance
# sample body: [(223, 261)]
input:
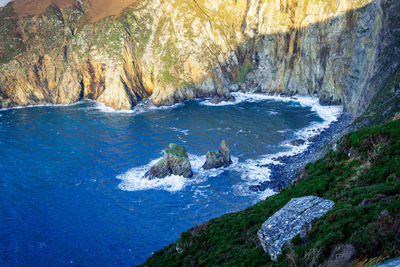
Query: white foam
[(152, 107), (142, 107), (106, 109), (239, 98), (327, 113), (134, 180), (43, 105), (183, 131), (252, 171)]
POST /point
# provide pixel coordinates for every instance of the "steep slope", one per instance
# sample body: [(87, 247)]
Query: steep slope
[(176, 50), (363, 179)]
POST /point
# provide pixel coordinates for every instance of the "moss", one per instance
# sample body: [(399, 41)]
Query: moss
[(362, 188), (177, 150), (240, 72)]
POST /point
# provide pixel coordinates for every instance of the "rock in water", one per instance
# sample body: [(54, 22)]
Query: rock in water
[(225, 97), (297, 142), (290, 221), (175, 161), (218, 159)]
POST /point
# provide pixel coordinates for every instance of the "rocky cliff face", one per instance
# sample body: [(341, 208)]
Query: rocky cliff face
[(174, 50)]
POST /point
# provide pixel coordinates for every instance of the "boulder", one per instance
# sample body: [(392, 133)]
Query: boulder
[(226, 96), (175, 161), (297, 142), (289, 221), (218, 159)]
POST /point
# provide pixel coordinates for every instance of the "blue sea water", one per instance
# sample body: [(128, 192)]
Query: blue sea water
[(71, 185)]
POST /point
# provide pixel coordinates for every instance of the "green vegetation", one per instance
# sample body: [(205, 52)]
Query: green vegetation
[(362, 177), (385, 103), (239, 73), (177, 150)]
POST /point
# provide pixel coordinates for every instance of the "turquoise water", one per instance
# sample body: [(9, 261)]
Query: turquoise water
[(71, 191)]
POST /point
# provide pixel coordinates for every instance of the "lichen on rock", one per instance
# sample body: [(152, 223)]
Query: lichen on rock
[(174, 162), (289, 221), (218, 159)]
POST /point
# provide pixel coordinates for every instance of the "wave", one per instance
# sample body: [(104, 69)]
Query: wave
[(142, 107), (44, 105), (134, 180), (253, 171), (182, 131), (328, 114)]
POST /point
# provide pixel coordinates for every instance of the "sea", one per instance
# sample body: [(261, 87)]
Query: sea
[(72, 185)]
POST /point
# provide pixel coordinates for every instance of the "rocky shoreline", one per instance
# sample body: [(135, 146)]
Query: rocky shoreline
[(287, 167)]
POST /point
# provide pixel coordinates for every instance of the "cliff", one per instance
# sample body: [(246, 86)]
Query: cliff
[(340, 51)]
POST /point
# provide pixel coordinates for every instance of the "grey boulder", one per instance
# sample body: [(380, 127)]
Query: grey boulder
[(223, 97), (297, 142), (289, 221), (175, 161), (218, 159)]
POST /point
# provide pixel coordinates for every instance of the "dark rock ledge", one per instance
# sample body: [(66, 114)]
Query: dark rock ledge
[(282, 174)]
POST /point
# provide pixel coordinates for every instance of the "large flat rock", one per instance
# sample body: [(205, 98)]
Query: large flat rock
[(289, 221)]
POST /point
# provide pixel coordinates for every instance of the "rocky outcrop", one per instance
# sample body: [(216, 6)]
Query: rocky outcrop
[(295, 217), (340, 51), (224, 97), (218, 159), (175, 161), (297, 142)]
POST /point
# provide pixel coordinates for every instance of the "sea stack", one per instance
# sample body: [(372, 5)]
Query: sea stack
[(175, 161), (218, 159)]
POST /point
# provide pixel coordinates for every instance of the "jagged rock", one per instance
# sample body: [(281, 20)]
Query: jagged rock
[(290, 221), (254, 188), (175, 161), (297, 142), (227, 97), (218, 159)]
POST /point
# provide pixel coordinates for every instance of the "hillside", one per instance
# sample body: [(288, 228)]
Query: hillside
[(363, 179), (97, 9)]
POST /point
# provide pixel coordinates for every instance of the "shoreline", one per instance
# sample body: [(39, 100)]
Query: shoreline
[(283, 169)]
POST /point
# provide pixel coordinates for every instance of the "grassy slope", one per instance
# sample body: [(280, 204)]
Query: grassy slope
[(365, 168)]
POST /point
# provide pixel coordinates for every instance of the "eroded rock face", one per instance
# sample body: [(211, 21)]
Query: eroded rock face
[(175, 161), (218, 159), (289, 221), (340, 51)]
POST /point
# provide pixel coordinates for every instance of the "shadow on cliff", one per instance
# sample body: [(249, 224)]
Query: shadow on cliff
[(343, 59)]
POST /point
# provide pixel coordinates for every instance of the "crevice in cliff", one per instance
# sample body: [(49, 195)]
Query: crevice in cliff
[(82, 90), (204, 13), (133, 78), (65, 54)]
